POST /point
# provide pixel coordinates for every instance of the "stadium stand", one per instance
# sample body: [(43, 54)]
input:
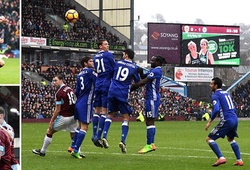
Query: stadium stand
[(241, 97), (41, 19), (36, 23), (37, 98)]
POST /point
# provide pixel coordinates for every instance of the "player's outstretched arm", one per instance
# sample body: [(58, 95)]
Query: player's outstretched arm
[(140, 83)]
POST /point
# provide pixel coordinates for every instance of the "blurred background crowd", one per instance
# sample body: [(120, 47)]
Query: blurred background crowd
[(38, 97)]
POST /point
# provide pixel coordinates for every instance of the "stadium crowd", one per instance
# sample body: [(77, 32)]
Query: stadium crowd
[(241, 97), (35, 24), (38, 98), (9, 31)]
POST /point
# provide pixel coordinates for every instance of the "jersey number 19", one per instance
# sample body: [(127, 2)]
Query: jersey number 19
[(122, 74)]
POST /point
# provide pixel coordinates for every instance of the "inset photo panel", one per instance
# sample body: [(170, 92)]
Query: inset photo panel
[(10, 42), (10, 141)]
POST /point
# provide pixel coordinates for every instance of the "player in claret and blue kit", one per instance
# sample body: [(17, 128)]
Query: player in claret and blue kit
[(63, 116), (224, 106)]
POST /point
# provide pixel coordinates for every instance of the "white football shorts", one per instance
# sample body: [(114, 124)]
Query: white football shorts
[(65, 123)]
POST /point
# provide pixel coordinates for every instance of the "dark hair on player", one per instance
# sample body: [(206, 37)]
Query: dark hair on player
[(100, 42), (217, 81), (59, 76), (85, 60), (161, 60), (2, 111), (130, 53)]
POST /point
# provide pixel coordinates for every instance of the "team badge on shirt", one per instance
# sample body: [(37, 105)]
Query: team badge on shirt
[(151, 74)]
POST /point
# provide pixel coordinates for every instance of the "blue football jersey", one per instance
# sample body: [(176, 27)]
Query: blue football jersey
[(223, 104), (124, 73), (152, 88), (104, 65), (85, 85)]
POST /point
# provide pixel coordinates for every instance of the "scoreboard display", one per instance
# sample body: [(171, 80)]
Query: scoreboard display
[(222, 43)]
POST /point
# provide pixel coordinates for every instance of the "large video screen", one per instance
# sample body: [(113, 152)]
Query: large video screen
[(210, 45), (164, 39)]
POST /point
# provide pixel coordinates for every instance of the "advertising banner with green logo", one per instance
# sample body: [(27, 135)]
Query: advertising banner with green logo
[(78, 44)]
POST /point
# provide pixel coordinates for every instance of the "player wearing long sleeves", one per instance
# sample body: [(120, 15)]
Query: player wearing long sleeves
[(223, 105), (104, 65), (84, 105), (125, 72)]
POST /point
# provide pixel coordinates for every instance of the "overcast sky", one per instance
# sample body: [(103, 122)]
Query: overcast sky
[(218, 12)]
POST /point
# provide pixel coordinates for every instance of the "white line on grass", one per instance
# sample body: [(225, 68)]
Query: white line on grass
[(152, 155), (203, 150)]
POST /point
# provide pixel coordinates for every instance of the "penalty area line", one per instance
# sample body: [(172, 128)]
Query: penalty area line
[(133, 154)]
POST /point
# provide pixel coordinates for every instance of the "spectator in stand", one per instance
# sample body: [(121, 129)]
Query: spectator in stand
[(241, 98), (65, 27)]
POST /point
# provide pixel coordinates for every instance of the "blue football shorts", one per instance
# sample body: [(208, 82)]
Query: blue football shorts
[(151, 108), (224, 128), (115, 105)]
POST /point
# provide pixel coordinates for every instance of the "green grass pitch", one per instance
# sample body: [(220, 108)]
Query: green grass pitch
[(180, 146), (10, 72)]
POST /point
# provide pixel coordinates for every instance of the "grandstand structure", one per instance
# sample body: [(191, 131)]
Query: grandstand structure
[(48, 49), (44, 40)]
